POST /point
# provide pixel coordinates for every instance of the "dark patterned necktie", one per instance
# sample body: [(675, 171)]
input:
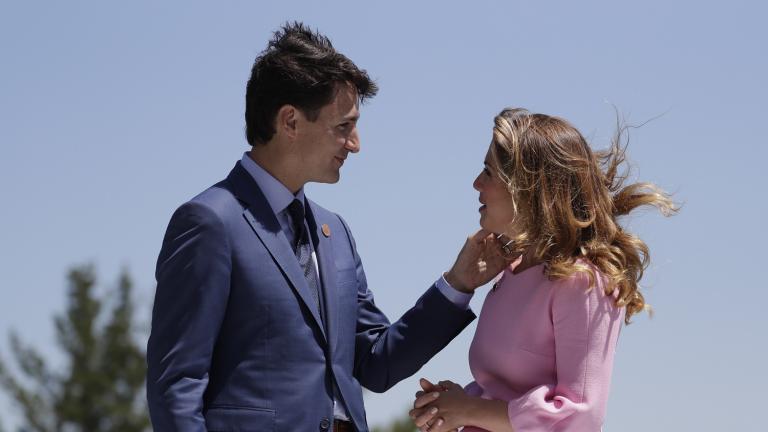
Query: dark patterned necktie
[(303, 249), (303, 252)]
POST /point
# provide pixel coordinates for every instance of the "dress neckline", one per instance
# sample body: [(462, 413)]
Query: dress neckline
[(516, 263)]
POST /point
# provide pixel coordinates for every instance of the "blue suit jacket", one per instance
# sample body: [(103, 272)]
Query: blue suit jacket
[(235, 344)]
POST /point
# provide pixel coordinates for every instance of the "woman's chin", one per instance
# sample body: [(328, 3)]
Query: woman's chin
[(488, 226), (492, 227)]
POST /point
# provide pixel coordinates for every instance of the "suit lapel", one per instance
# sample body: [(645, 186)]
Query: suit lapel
[(325, 261), (263, 221)]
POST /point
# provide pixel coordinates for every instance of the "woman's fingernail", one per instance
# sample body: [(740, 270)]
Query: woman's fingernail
[(435, 395), (433, 410)]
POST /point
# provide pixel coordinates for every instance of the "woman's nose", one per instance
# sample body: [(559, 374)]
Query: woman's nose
[(477, 184)]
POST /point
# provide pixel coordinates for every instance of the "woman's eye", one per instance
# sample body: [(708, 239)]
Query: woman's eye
[(486, 171)]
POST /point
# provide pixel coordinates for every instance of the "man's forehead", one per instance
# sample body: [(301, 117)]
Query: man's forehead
[(345, 104)]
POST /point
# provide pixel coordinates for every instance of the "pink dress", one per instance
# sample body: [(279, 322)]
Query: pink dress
[(547, 348)]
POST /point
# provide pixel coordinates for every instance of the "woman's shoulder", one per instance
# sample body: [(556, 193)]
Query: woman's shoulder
[(583, 278), (586, 290)]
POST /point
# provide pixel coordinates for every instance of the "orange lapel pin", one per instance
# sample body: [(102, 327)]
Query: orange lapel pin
[(326, 230)]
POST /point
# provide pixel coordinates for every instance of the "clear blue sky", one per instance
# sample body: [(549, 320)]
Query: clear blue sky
[(114, 113)]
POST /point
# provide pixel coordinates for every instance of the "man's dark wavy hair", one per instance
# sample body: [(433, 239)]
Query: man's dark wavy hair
[(299, 67)]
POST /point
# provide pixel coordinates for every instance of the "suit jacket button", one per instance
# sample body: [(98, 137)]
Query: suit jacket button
[(325, 424)]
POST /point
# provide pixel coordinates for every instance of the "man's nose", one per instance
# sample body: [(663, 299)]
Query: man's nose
[(352, 143)]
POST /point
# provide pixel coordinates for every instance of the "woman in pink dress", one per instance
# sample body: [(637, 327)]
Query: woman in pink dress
[(543, 350)]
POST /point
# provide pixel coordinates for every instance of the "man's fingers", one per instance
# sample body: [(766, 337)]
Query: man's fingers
[(479, 237), (492, 244)]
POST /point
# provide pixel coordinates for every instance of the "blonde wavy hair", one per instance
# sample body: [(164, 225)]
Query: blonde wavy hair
[(567, 199)]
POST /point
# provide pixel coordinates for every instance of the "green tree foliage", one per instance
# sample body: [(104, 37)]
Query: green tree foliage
[(401, 424), (102, 386)]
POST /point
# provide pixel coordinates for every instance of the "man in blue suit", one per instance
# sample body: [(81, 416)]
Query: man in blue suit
[(263, 320)]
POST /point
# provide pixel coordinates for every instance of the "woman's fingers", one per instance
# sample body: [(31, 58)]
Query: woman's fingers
[(435, 425), (447, 384), (425, 399), (421, 417)]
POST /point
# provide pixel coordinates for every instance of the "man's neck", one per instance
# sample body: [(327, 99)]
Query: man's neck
[(278, 166)]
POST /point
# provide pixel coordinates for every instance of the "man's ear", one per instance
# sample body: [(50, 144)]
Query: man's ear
[(285, 122)]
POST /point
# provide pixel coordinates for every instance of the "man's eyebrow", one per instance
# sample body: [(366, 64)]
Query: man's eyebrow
[(353, 117)]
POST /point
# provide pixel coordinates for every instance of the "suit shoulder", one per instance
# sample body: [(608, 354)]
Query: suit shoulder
[(214, 207), (219, 199)]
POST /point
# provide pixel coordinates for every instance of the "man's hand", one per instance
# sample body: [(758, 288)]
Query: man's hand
[(479, 261)]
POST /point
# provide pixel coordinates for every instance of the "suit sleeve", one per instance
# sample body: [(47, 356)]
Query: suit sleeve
[(387, 353), (193, 273)]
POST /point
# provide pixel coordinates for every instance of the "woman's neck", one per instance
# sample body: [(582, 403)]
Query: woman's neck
[(527, 260)]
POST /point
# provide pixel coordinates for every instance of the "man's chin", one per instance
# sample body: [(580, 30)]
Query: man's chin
[(329, 179)]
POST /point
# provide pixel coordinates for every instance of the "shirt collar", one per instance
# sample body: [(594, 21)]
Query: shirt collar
[(278, 196)]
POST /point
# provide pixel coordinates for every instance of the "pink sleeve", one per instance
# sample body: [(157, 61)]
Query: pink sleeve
[(472, 389), (586, 329)]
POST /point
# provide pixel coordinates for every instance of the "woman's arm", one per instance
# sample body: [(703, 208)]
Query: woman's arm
[(586, 326)]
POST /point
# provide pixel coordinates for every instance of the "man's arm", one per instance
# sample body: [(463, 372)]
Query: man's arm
[(386, 354), (193, 273)]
